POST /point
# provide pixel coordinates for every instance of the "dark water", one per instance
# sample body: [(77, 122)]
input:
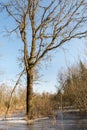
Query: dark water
[(63, 121)]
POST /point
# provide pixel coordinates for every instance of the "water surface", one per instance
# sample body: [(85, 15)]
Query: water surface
[(63, 121)]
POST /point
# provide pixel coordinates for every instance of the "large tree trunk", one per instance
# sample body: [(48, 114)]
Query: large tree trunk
[(29, 94)]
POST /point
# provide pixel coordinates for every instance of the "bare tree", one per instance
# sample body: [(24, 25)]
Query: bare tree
[(44, 27)]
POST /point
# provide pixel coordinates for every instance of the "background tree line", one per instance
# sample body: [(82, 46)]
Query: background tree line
[(74, 84)]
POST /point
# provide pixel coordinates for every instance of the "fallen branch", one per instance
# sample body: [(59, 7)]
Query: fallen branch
[(17, 82)]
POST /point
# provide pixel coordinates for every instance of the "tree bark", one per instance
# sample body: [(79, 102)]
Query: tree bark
[(29, 94)]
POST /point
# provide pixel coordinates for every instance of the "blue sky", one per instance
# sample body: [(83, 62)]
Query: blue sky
[(74, 51), (9, 65)]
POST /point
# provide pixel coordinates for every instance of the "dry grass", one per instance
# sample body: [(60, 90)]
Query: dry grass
[(43, 104)]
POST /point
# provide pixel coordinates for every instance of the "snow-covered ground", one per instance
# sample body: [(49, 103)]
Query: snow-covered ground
[(21, 120)]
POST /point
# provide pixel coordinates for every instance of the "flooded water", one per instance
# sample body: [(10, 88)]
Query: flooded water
[(66, 121)]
